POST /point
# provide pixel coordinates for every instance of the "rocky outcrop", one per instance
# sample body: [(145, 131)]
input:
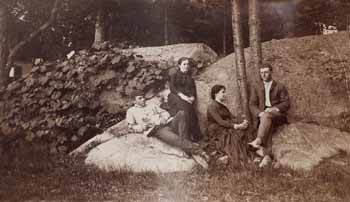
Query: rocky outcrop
[(115, 150), (314, 69), (138, 153), (303, 146), (171, 53)]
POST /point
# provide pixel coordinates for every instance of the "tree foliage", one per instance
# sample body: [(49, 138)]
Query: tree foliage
[(134, 21), (14, 9), (142, 22), (311, 13)]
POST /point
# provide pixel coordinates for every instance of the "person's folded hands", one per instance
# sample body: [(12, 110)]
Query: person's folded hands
[(241, 126), (272, 109)]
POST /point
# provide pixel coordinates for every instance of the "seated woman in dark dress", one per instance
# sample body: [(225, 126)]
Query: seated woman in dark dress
[(225, 134), (182, 97)]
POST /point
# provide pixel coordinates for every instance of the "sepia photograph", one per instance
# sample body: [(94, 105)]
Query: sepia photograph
[(174, 100)]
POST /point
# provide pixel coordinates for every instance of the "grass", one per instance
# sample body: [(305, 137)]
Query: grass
[(328, 182), (33, 176), (68, 180), (37, 177)]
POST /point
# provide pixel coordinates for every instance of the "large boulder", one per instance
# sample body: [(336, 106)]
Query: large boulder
[(111, 151), (314, 69), (299, 146), (171, 53), (117, 149), (138, 153), (303, 146)]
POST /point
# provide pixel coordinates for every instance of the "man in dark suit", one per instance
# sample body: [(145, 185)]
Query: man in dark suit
[(269, 103)]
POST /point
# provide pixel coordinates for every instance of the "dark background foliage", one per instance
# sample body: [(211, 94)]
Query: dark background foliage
[(143, 23)]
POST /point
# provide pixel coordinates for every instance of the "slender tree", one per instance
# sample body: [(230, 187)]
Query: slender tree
[(4, 49), (255, 33), (224, 38), (166, 22), (100, 25), (240, 58)]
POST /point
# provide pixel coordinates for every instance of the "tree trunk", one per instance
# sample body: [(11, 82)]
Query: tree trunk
[(4, 49), (166, 23), (100, 26), (255, 33), (240, 59), (224, 38)]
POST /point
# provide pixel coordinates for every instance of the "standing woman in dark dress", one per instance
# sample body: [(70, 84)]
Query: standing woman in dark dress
[(225, 134), (183, 96)]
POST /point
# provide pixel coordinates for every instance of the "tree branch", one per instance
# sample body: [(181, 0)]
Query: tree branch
[(34, 34)]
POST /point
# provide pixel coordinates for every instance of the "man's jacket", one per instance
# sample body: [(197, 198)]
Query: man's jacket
[(278, 97)]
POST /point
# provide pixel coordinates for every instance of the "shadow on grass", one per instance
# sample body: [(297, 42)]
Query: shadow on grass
[(32, 174)]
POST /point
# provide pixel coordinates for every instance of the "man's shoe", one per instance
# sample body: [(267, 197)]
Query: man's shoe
[(260, 151), (256, 143), (200, 160), (257, 160), (276, 165), (187, 155), (265, 161)]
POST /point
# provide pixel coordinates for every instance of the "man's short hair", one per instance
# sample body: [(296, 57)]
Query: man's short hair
[(136, 93), (266, 65)]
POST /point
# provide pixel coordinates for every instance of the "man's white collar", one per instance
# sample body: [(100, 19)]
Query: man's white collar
[(268, 82)]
